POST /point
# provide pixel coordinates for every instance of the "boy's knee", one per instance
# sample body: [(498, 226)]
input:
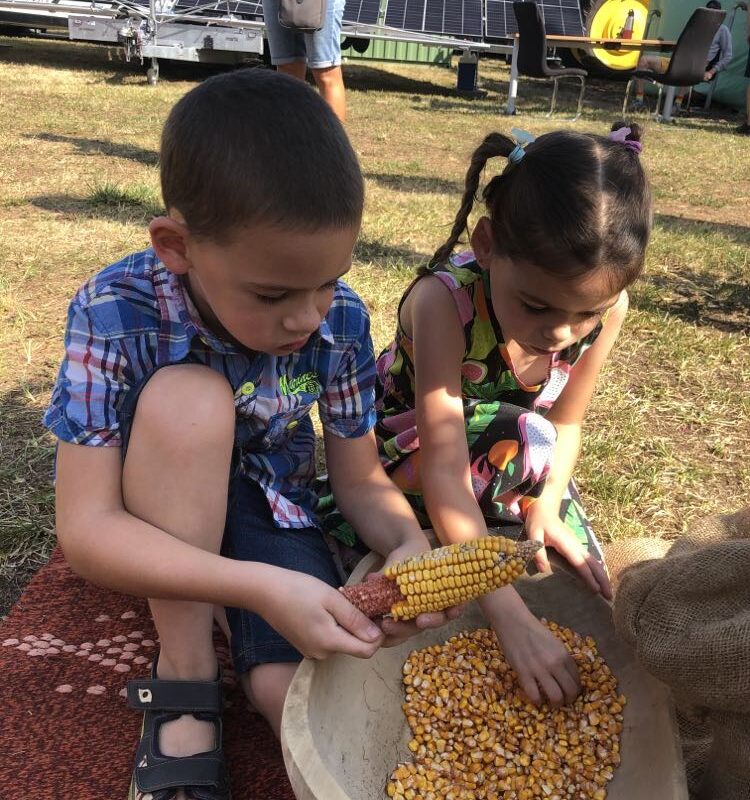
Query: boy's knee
[(187, 402)]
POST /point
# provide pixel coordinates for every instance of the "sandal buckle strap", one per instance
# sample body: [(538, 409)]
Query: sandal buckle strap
[(198, 770), (183, 697)]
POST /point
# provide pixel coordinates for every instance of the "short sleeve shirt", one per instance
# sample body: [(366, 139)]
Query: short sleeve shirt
[(136, 316)]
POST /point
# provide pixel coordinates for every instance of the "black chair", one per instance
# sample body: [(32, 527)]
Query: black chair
[(688, 63), (533, 61)]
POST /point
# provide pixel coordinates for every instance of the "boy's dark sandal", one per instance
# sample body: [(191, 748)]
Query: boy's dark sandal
[(202, 776)]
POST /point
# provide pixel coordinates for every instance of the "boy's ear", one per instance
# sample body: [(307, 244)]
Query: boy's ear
[(482, 242), (169, 238)]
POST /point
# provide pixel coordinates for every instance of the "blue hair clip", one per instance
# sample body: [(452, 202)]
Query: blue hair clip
[(522, 139)]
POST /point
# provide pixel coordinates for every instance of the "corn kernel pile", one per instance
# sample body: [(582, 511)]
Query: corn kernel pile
[(476, 736)]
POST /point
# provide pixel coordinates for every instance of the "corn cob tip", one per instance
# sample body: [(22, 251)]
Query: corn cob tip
[(527, 549), (374, 597)]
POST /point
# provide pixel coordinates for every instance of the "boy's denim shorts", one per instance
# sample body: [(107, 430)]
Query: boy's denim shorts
[(320, 49), (250, 534)]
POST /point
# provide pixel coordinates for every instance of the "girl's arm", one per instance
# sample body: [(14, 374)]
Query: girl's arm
[(429, 317), (542, 520)]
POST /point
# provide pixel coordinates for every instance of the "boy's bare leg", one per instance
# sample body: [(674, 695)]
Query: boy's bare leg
[(266, 686), (175, 477)]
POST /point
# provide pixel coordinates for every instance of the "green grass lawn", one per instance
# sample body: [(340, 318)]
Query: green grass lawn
[(668, 435)]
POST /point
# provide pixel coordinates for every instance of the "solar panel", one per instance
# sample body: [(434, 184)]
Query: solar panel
[(452, 17), (561, 17), (362, 11), (501, 21)]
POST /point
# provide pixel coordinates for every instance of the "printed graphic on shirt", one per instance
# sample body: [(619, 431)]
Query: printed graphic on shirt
[(307, 382)]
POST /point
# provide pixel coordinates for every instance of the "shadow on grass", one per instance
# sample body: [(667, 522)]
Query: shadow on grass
[(415, 183), (385, 256), (697, 298), (26, 495), (701, 297), (77, 208), (101, 147), (372, 79), (685, 225)]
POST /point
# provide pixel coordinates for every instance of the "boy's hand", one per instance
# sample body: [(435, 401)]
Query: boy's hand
[(397, 632), (318, 620), (545, 526), (544, 667)]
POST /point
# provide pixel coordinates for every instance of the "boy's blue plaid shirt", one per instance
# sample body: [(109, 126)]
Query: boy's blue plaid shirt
[(136, 315)]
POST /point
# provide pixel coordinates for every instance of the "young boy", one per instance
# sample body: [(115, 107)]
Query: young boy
[(186, 449)]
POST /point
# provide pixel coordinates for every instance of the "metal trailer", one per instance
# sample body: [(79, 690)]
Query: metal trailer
[(215, 31)]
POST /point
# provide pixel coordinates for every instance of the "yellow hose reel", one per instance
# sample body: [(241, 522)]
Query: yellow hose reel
[(606, 19)]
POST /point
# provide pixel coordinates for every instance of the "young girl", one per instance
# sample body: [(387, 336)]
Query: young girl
[(484, 389)]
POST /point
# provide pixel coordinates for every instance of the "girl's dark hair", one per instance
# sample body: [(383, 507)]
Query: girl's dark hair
[(575, 202), (255, 146)]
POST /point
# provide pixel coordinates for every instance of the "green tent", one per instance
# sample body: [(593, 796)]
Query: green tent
[(730, 88)]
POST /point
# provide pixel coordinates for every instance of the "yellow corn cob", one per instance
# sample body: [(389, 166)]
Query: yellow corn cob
[(444, 577)]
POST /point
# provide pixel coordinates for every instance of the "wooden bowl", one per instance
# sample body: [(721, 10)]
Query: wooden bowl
[(343, 730)]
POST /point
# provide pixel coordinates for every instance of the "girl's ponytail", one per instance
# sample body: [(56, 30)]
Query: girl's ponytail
[(495, 144)]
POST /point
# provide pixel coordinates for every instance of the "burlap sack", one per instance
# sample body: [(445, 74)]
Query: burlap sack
[(687, 616)]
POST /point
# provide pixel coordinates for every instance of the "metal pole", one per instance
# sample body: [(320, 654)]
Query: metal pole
[(656, 13), (510, 107)]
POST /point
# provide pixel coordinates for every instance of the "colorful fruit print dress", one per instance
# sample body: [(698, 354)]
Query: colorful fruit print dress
[(510, 441)]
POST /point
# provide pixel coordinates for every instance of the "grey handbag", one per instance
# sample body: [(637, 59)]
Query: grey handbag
[(303, 15)]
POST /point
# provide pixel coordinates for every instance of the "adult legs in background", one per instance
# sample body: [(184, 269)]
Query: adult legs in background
[(292, 51), (330, 82), (297, 69), (324, 57)]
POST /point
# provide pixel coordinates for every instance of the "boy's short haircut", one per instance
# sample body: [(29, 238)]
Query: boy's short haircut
[(258, 147)]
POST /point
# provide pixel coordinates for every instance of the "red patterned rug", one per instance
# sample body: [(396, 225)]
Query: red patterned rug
[(67, 650)]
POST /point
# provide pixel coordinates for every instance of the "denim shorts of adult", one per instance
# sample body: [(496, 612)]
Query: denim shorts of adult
[(250, 534), (320, 49)]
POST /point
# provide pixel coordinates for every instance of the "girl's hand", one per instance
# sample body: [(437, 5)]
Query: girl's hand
[(543, 665), (397, 632), (545, 526), (318, 620)]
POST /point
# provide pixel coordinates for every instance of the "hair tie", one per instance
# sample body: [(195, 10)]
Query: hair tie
[(621, 136), (522, 138)]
